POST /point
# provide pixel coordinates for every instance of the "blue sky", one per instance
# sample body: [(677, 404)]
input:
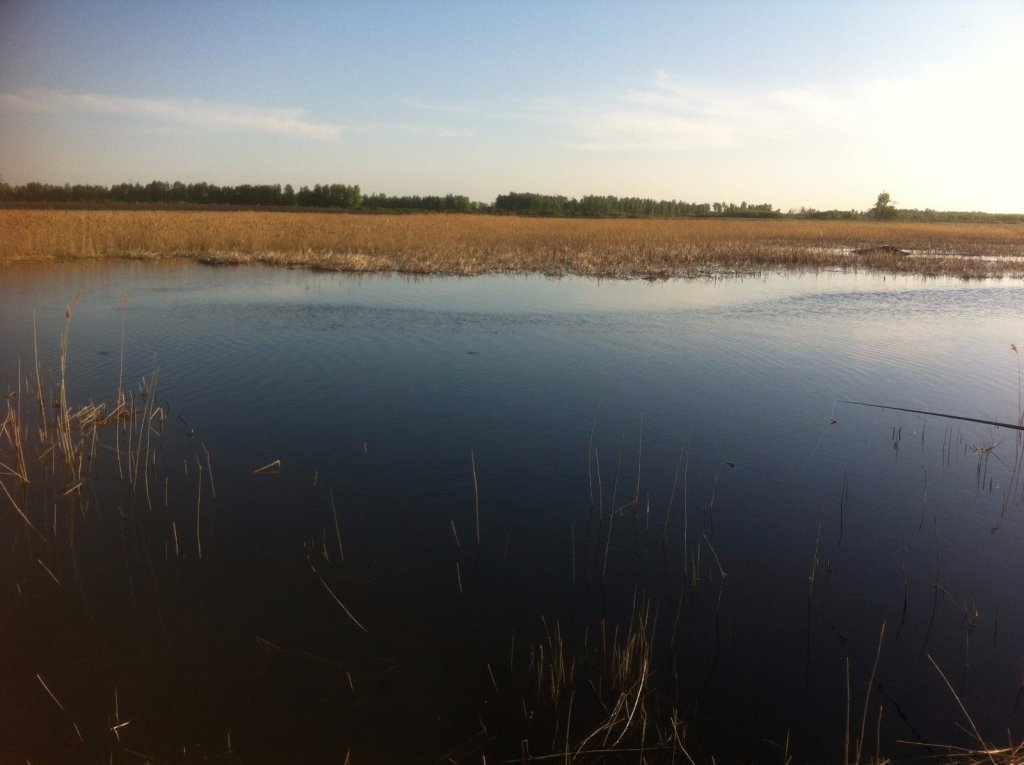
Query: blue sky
[(799, 104)]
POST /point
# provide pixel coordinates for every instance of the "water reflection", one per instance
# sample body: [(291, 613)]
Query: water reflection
[(668, 454)]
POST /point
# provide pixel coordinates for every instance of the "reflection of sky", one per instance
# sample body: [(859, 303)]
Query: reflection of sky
[(547, 294), (939, 344), (308, 367), (27, 283), (892, 325)]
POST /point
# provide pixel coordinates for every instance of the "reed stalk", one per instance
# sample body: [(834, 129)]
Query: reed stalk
[(476, 497), (337, 526)]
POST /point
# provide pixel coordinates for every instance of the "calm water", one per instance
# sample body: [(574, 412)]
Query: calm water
[(700, 420)]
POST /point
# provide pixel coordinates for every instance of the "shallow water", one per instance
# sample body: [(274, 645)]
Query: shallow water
[(701, 418)]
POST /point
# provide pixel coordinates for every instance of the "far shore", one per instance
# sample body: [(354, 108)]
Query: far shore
[(468, 245)]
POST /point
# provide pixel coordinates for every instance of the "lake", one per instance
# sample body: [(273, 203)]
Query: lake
[(436, 519)]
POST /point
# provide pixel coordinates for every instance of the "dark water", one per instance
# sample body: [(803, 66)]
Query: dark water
[(676, 449)]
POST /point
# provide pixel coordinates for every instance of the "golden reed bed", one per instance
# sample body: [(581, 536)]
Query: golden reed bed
[(479, 244)]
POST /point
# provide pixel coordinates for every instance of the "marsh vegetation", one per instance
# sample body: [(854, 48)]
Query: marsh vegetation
[(452, 244)]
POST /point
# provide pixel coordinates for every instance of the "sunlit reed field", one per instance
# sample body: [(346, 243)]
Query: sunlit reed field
[(477, 244)]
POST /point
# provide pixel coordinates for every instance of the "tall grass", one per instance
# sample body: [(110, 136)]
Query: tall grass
[(89, 519), (468, 245), (52, 453)]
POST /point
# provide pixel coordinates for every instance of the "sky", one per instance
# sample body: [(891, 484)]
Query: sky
[(799, 104)]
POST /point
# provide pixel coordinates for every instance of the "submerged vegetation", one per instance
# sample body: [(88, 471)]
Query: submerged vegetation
[(471, 244)]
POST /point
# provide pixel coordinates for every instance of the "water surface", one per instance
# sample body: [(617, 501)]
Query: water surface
[(772, 529)]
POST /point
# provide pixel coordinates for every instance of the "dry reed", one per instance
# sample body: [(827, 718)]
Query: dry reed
[(55, 449), (477, 244), (601, 699)]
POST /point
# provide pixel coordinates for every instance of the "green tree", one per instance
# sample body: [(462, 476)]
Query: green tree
[(885, 208)]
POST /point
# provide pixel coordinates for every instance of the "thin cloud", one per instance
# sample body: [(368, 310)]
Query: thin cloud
[(678, 116), (417, 103), (932, 110), (653, 131), (194, 113), (433, 131)]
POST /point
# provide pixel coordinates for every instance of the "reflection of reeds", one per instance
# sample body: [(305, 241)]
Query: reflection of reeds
[(475, 244)]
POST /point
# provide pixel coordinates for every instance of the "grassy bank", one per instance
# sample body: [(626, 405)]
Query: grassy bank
[(471, 245)]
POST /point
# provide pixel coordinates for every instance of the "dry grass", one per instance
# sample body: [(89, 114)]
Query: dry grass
[(52, 446), (601, 700), (470, 245)]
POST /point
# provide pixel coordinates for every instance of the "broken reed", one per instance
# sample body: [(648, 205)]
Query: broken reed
[(478, 244), (54, 452), (600, 698)]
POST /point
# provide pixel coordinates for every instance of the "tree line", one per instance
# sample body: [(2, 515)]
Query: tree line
[(611, 206), (322, 196), (335, 195), (350, 197), (338, 196)]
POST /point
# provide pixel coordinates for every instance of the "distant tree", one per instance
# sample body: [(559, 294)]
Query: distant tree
[(885, 208), (158, 191)]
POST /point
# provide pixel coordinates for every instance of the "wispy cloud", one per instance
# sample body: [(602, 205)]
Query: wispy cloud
[(676, 115), (421, 104), (673, 115), (434, 131), (194, 113)]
